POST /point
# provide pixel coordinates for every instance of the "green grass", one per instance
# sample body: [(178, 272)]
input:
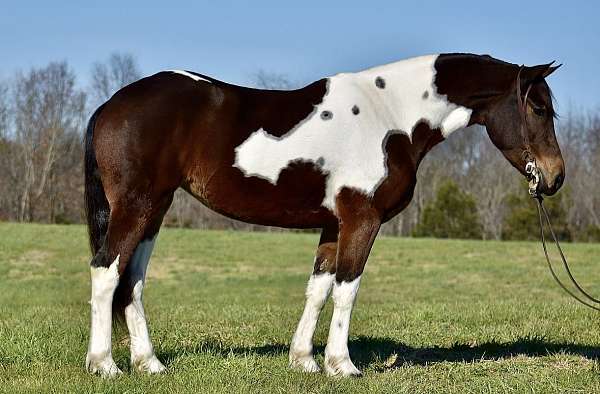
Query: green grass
[(431, 316)]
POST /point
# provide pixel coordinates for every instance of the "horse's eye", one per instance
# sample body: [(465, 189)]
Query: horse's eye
[(539, 111)]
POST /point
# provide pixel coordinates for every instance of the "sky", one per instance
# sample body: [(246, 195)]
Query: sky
[(305, 40)]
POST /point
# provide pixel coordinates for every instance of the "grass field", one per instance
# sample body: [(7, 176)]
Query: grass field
[(432, 316)]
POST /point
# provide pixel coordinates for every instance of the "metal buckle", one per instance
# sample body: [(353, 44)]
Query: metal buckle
[(533, 174)]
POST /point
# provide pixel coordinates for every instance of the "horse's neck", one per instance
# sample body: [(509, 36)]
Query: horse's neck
[(473, 81), (407, 93)]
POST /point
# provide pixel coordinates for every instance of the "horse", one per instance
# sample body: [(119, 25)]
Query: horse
[(340, 154)]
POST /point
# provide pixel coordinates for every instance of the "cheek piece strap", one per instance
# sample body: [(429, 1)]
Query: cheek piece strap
[(532, 171)]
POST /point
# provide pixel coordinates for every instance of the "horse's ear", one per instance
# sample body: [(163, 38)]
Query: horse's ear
[(538, 72), (551, 69)]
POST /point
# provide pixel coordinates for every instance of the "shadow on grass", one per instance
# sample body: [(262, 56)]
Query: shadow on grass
[(368, 351)]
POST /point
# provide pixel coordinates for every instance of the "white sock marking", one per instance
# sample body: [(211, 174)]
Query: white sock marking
[(104, 283), (336, 352), (317, 291)]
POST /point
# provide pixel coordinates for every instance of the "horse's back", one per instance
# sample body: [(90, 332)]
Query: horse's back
[(168, 108)]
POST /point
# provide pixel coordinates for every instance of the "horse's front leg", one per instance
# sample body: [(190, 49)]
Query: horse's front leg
[(317, 291), (359, 224)]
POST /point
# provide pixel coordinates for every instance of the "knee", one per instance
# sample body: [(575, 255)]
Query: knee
[(325, 259), (348, 272)]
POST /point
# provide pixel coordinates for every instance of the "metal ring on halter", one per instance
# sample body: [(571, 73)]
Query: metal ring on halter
[(533, 175)]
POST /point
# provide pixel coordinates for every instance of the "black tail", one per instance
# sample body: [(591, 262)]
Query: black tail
[(96, 206), (97, 213)]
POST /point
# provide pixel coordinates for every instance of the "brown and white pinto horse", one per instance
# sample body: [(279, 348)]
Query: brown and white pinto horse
[(340, 154)]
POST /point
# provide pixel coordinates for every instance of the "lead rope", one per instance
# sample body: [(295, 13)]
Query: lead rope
[(541, 208), (534, 177)]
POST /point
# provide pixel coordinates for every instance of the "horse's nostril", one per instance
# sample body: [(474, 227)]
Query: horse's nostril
[(558, 181)]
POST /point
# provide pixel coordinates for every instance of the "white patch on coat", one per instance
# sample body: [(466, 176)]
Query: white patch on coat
[(142, 351), (99, 356), (317, 291), (457, 119), (347, 147), (189, 75), (337, 356)]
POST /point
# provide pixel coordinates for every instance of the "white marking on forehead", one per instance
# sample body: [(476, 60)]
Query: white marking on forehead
[(347, 147), (190, 75)]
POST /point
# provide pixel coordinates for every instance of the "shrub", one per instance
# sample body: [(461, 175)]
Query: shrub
[(522, 221), (452, 214), (590, 234)]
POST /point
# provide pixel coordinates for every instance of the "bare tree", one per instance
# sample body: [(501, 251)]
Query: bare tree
[(119, 70), (3, 109), (48, 114), (271, 80), (579, 136), (490, 180), (6, 192)]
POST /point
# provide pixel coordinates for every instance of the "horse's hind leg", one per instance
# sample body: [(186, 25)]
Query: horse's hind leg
[(143, 358), (128, 225), (317, 291), (105, 278)]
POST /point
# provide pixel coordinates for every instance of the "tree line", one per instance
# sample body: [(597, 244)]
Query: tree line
[(465, 188)]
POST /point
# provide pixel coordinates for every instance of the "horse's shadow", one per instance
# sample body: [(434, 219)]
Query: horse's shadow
[(384, 353)]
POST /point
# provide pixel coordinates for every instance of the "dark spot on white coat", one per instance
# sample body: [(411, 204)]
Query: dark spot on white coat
[(326, 115)]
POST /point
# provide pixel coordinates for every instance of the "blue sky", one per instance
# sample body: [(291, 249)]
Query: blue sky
[(305, 40)]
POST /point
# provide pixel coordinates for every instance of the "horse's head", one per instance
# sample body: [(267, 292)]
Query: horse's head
[(520, 122)]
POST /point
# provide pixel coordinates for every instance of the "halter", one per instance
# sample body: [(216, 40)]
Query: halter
[(532, 171), (533, 174)]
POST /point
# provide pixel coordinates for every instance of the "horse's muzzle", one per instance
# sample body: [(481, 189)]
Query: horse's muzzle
[(550, 184)]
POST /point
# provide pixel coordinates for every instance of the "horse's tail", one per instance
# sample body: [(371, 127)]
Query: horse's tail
[(97, 209)]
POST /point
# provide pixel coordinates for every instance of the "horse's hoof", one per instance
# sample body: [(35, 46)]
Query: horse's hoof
[(104, 366), (305, 363), (341, 366), (150, 365)]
